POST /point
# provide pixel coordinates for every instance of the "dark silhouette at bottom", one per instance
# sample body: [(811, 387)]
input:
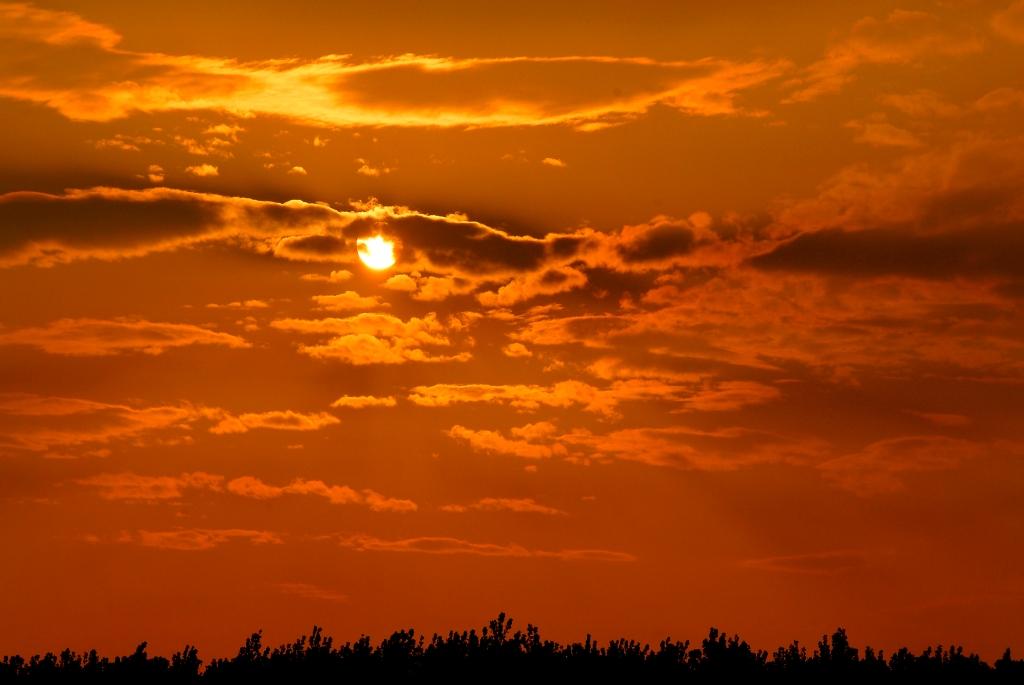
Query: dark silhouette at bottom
[(497, 653)]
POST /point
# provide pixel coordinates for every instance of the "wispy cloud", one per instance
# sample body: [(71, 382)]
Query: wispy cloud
[(440, 545)]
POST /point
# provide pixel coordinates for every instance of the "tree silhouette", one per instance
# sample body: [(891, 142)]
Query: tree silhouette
[(497, 653)]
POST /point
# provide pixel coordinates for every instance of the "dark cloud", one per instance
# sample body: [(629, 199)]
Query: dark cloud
[(989, 251), (660, 242), (314, 248), (456, 244), (40, 227), (111, 223)]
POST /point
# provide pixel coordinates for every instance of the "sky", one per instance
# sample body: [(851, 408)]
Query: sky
[(700, 314)]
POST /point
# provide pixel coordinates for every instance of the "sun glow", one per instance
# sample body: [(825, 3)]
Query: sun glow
[(376, 252)]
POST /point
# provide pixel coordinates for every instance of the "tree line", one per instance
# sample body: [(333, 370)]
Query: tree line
[(498, 653)]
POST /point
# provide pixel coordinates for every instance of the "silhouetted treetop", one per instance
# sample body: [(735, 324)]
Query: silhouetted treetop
[(498, 653)]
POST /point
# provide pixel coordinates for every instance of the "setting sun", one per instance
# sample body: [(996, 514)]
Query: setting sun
[(376, 252)]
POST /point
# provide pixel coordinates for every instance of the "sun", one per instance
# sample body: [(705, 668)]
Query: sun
[(376, 252)]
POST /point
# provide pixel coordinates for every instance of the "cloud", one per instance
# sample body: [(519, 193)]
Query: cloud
[(456, 245), (565, 394), (591, 330), (1005, 98), (202, 170), (832, 326), (527, 397), (731, 395), (518, 505), (155, 173), (996, 250), (229, 131), (22, 20), (652, 446), (442, 255), (554, 162), (941, 419), (204, 148), (682, 447), (902, 37), (662, 243), (968, 183), (363, 401), (198, 539), (336, 276), (921, 104), (362, 348), (645, 243), (249, 486), (371, 338), (42, 423), (614, 368), (348, 301), (548, 282), (430, 288), (133, 486), (516, 350), (535, 431), (401, 282), (100, 337), (110, 223), (878, 467), (124, 143), (426, 330), (1009, 22), (932, 234), (439, 545), (878, 132), (366, 169), (378, 502), (492, 441), (813, 563), (241, 304), (286, 420), (89, 76)]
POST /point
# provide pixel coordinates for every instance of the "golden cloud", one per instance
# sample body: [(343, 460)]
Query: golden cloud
[(88, 77), (565, 394), (363, 401), (492, 441), (348, 301), (371, 338), (249, 486), (100, 337), (275, 420), (41, 423), (524, 505), (902, 37), (198, 539)]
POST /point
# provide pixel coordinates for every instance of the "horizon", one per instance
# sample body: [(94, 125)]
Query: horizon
[(515, 630), (635, 319)]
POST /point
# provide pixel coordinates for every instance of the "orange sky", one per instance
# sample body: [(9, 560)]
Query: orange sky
[(700, 316)]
